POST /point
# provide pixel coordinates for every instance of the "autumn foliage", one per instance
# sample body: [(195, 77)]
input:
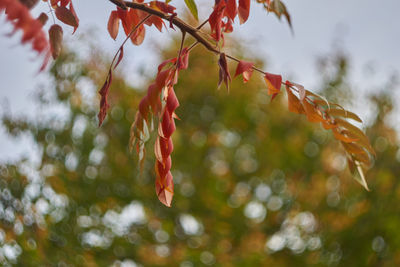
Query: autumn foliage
[(158, 106)]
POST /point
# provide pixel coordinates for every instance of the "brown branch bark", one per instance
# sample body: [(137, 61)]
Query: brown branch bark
[(183, 26)]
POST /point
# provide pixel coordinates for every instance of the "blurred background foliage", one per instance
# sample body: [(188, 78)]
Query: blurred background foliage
[(254, 184)]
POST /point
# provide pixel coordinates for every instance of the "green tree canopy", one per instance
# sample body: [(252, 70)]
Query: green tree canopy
[(255, 185)]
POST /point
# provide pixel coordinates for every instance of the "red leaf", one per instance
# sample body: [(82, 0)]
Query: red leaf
[(224, 75), (113, 24), (167, 125), (153, 93), (244, 10), (165, 62), (29, 3), (215, 20), (163, 7), (156, 21), (19, 15), (72, 9), (120, 56), (64, 2), (184, 59), (245, 68), (162, 77), (166, 147), (273, 82), (126, 23), (231, 9), (104, 106), (172, 101), (144, 107), (66, 16)]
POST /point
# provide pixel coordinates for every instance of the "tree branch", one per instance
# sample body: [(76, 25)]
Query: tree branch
[(182, 25)]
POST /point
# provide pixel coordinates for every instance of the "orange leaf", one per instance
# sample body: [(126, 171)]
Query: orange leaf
[(294, 103), (138, 36), (165, 189), (343, 113), (363, 158), (313, 114), (273, 82), (328, 125), (362, 138), (353, 148), (113, 24), (342, 136)]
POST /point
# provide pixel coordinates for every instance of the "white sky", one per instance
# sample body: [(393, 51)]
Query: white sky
[(367, 31)]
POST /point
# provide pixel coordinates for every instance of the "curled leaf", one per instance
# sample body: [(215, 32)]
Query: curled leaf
[(293, 102), (273, 82), (224, 75), (56, 37), (120, 56), (246, 69), (104, 106), (343, 113), (165, 189), (277, 7)]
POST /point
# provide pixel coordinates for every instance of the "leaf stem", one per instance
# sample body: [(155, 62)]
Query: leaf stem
[(193, 45), (127, 38), (184, 27), (51, 11), (201, 25), (180, 49)]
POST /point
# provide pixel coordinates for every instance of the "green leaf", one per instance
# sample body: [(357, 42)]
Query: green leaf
[(192, 7)]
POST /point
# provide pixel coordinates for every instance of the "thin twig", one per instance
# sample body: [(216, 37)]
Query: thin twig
[(180, 50), (185, 28), (193, 45), (201, 25), (51, 11), (129, 36)]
